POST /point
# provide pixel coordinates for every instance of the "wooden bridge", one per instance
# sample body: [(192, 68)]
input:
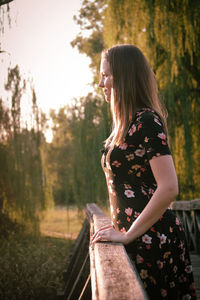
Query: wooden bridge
[(105, 272)]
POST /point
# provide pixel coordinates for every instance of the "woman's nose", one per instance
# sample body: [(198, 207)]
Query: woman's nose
[(101, 83)]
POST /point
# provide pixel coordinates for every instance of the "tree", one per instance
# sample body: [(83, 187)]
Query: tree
[(22, 177)]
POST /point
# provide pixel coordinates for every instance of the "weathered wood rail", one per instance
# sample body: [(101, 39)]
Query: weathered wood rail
[(104, 271), (189, 214)]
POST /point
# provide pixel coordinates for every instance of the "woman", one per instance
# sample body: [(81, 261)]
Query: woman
[(141, 177)]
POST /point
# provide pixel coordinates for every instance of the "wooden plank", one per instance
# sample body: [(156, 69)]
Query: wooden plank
[(113, 275), (76, 282), (186, 205), (195, 204), (78, 268), (92, 209), (196, 271), (180, 205)]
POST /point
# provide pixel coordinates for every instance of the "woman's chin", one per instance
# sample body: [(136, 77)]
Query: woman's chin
[(107, 98)]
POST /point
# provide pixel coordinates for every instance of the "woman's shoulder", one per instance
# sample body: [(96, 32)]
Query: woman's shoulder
[(146, 113), (147, 116)]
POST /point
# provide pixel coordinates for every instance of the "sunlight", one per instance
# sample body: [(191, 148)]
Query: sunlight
[(39, 42)]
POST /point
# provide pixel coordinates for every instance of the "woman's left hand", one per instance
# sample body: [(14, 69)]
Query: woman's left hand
[(109, 234)]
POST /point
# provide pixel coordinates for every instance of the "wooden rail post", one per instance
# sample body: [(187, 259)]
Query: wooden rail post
[(113, 275)]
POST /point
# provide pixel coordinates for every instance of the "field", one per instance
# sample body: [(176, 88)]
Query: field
[(31, 267)]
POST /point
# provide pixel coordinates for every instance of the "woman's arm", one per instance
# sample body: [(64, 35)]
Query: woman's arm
[(167, 189)]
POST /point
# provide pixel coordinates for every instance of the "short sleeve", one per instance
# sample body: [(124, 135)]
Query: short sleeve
[(154, 139)]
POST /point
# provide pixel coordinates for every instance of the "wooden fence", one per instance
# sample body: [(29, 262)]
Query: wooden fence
[(189, 214), (104, 271)]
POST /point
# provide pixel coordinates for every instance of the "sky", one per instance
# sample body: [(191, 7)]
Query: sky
[(39, 42)]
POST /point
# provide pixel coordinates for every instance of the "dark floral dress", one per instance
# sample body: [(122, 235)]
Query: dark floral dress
[(160, 254)]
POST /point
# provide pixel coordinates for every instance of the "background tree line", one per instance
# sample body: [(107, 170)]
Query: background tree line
[(34, 173)]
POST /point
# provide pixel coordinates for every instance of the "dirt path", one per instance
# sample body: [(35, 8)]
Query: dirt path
[(71, 236)]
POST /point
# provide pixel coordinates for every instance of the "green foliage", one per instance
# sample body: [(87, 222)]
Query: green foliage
[(22, 177), (73, 157), (90, 20)]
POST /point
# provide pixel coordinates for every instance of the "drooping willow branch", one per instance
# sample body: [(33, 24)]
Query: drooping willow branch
[(2, 2)]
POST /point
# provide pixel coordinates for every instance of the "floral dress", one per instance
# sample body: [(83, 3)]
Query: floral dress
[(160, 254)]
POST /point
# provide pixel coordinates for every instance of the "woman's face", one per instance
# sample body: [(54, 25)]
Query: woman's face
[(106, 82)]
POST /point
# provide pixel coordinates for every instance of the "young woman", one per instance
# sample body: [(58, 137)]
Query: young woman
[(141, 177)]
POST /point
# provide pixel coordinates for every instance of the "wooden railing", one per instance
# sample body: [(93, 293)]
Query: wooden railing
[(103, 271), (189, 214), (113, 275)]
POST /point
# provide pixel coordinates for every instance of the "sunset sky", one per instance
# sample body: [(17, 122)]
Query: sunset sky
[(39, 42)]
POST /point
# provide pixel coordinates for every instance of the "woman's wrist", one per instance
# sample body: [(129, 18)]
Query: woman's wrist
[(126, 238)]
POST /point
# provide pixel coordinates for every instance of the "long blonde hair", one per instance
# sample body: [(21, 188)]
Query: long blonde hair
[(134, 87)]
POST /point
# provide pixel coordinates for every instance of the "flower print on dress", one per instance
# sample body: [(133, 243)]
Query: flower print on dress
[(160, 264), (140, 152), (139, 259), (163, 238), (135, 167), (182, 278), (178, 221), (166, 254), (143, 191), (127, 186), (172, 284), (157, 121), (116, 164), (139, 127), (146, 239), (151, 191), (175, 268), (123, 146), (132, 130), (129, 194), (143, 274), (188, 269), (130, 156), (136, 214), (186, 297), (163, 292), (129, 211), (162, 136)]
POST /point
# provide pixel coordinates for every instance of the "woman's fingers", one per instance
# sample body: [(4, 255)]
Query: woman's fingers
[(102, 234), (101, 229)]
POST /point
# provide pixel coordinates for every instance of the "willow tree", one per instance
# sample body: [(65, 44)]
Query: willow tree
[(168, 32), (22, 178)]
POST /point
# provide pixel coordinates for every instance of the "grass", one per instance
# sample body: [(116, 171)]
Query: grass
[(62, 222), (31, 268)]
